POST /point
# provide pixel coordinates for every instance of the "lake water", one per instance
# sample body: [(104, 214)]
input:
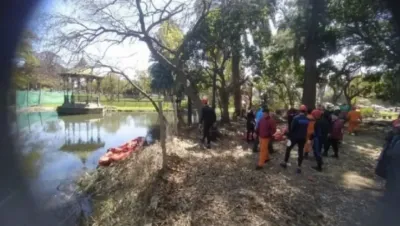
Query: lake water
[(56, 150)]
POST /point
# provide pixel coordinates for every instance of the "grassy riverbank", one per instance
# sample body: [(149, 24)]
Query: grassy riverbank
[(221, 187), (115, 106)]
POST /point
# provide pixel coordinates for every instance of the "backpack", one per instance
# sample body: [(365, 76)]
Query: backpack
[(384, 158)]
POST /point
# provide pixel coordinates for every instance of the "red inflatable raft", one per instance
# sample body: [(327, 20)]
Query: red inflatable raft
[(280, 135), (121, 152)]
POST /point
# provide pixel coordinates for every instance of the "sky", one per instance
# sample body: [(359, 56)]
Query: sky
[(129, 57), (126, 57)]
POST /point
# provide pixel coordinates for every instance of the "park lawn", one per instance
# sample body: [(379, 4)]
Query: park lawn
[(388, 113), (50, 105), (135, 106)]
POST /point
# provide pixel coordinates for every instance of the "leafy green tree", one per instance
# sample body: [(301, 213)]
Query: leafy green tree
[(25, 62), (143, 79), (366, 28), (161, 80), (242, 16), (112, 87)]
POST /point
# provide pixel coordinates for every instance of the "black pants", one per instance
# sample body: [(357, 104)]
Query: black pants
[(318, 144), (256, 143), (300, 144), (250, 131), (206, 132), (335, 145)]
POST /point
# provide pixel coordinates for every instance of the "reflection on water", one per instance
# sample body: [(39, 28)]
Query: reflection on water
[(58, 149)]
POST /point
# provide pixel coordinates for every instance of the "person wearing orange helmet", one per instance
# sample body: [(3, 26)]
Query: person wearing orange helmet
[(312, 116), (354, 117), (297, 136), (207, 119), (291, 113), (265, 130), (335, 136), (396, 122), (322, 130)]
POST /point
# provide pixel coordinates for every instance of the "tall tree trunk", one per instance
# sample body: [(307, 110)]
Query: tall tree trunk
[(219, 104), (335, 96), (311, 52), (237, 93), (189, 103), (347, 96), (289, 93), (190, 91), (251, 96), (224, 96), (214, 90)]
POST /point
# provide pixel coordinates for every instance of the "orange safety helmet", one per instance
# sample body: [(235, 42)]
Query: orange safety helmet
[(316, 113), (303, 108), (204, 100)]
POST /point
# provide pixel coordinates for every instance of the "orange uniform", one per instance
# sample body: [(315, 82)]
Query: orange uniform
[(265, 130), (354, 118), (310, 131)]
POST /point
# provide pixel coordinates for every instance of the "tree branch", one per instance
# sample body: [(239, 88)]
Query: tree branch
[(119, 72)]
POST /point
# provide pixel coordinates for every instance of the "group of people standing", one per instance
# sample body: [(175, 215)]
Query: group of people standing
[(308, 129)]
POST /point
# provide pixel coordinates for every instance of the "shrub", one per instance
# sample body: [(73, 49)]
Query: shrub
[(367, 112)]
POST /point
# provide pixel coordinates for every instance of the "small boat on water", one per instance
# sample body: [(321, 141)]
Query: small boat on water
[(122, 152)]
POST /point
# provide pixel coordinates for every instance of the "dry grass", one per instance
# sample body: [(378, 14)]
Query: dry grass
[(221, 187), (120, 191)]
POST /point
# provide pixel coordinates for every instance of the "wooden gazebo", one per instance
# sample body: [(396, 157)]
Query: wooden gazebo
[(81, 91)]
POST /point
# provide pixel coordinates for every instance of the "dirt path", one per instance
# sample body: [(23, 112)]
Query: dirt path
[(221, 187)]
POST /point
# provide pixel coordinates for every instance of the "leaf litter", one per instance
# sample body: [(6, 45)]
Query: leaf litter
[(220, 186)]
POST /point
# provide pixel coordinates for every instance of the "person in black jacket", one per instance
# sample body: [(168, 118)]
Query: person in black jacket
[(297, 136), (250, 124), (207, 118), (322, 129), (291, 113)]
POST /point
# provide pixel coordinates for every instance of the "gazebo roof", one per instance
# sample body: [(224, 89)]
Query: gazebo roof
[(82, 150), (81, 70), (81, 73)]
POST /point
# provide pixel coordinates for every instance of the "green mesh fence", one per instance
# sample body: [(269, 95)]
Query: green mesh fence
[(32, 98), (28, 119)]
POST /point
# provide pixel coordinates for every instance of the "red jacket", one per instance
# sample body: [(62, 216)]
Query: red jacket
[(266, 127), (337, 129)]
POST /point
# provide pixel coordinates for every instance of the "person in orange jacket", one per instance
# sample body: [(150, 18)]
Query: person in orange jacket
[(310, 129), (312, 116), (354, 117), (265, 131)]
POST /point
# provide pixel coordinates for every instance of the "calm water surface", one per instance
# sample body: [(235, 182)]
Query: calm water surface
[(56, 150)]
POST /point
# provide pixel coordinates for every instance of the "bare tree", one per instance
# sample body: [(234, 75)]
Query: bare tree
[(117, 22)]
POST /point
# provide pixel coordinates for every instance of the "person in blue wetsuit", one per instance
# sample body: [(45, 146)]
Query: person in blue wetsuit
[(259, 115), (322, 130), (297, 136)]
